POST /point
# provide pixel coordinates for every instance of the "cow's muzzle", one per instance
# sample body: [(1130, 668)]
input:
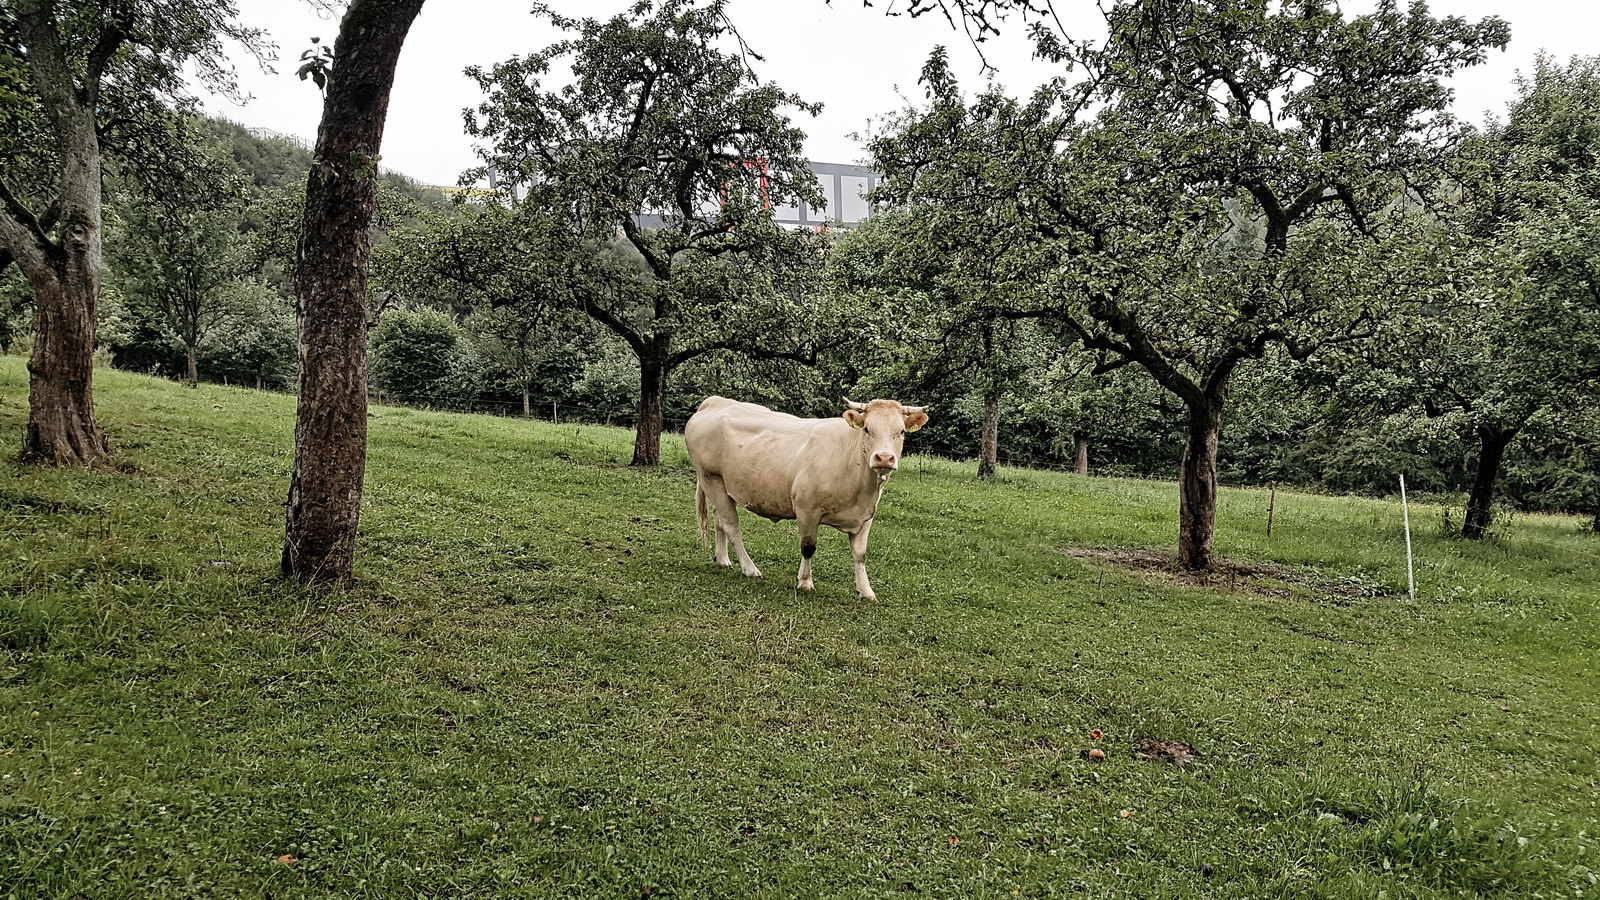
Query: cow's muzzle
[(884, 462)]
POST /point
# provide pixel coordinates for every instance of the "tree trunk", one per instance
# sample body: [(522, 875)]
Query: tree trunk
[(525, 409), (1082, 442), (1197, 485), (65, 278), (652, 401), (330, 435), (192, 364), (1480, 502), (61, 425), (989, 444)]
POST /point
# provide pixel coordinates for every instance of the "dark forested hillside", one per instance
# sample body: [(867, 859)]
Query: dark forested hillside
[(269, 162)]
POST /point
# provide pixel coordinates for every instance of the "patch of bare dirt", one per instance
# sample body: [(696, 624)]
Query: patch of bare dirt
[(1179, 753), (1264, 578)]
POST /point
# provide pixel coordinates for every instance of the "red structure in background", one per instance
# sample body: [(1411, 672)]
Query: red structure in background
[(844, 189)]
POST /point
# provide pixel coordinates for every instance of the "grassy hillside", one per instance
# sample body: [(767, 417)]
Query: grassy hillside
[(542, 687)]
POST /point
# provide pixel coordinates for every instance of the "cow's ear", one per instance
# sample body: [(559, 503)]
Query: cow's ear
[(856, 418), (916, 420)]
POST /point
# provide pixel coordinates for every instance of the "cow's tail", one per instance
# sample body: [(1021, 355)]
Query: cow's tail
[(700, 511)]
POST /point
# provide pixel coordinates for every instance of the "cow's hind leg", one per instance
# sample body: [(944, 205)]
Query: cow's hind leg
[(728, 531), (858, 552), (712, 491), (808, 549)]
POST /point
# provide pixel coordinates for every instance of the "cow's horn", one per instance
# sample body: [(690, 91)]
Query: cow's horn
[(854, 405), (914, 409)]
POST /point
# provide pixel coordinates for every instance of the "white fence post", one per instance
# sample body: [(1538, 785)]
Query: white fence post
[(1405, 511)]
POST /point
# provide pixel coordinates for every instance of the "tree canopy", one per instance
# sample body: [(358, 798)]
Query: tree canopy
[(1222, 178), (661, 121), (82, 83)]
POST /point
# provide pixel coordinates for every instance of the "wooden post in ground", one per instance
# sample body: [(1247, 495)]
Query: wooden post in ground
[(1272, 502), (1405, 511)]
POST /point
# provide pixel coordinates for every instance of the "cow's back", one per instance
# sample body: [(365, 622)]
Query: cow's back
[(755, 452)]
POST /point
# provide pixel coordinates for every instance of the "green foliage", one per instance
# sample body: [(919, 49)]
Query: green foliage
[(277, 214), (315, 64), (540, 685), (1225, 178), (658, 120), (947, 295), (264, 163), (254, 344), (133, 63), (16, 300), (135, 340), (1191, 232), (177, 263), (1515, 342), (529, 349), (412, 353)]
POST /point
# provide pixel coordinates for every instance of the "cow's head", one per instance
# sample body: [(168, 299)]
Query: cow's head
[(884, 424)]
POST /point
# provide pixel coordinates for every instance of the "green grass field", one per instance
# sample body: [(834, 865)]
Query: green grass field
[(542, 687)]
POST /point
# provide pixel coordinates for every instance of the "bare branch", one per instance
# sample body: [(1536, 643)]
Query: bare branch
[(25, 238)]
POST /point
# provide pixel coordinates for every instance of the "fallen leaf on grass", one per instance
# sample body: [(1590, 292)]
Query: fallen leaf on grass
[(286, 860)]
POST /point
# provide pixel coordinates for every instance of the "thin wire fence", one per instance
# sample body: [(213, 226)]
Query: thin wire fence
[(543, 409), (557, 411), (547, 409)]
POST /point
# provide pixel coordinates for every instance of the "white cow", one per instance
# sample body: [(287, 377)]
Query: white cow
[(815, 471)]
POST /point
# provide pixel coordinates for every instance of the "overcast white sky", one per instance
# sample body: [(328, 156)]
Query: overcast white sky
[(856, 61)]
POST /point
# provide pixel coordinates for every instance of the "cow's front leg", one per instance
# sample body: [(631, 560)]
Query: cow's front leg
[(858, 552), (808, 549), (746, 564)]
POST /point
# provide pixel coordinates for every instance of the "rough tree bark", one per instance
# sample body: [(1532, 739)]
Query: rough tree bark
[(61, 424), (1197, 484), (64, 272), (989, 443), (1082, 442), (330, 434), (652, 403), (1480, 501), (191, 365)]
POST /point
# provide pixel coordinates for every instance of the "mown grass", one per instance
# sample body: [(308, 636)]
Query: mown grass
[(542, 687)]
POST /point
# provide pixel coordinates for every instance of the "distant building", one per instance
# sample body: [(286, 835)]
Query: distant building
[(844, 189)]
